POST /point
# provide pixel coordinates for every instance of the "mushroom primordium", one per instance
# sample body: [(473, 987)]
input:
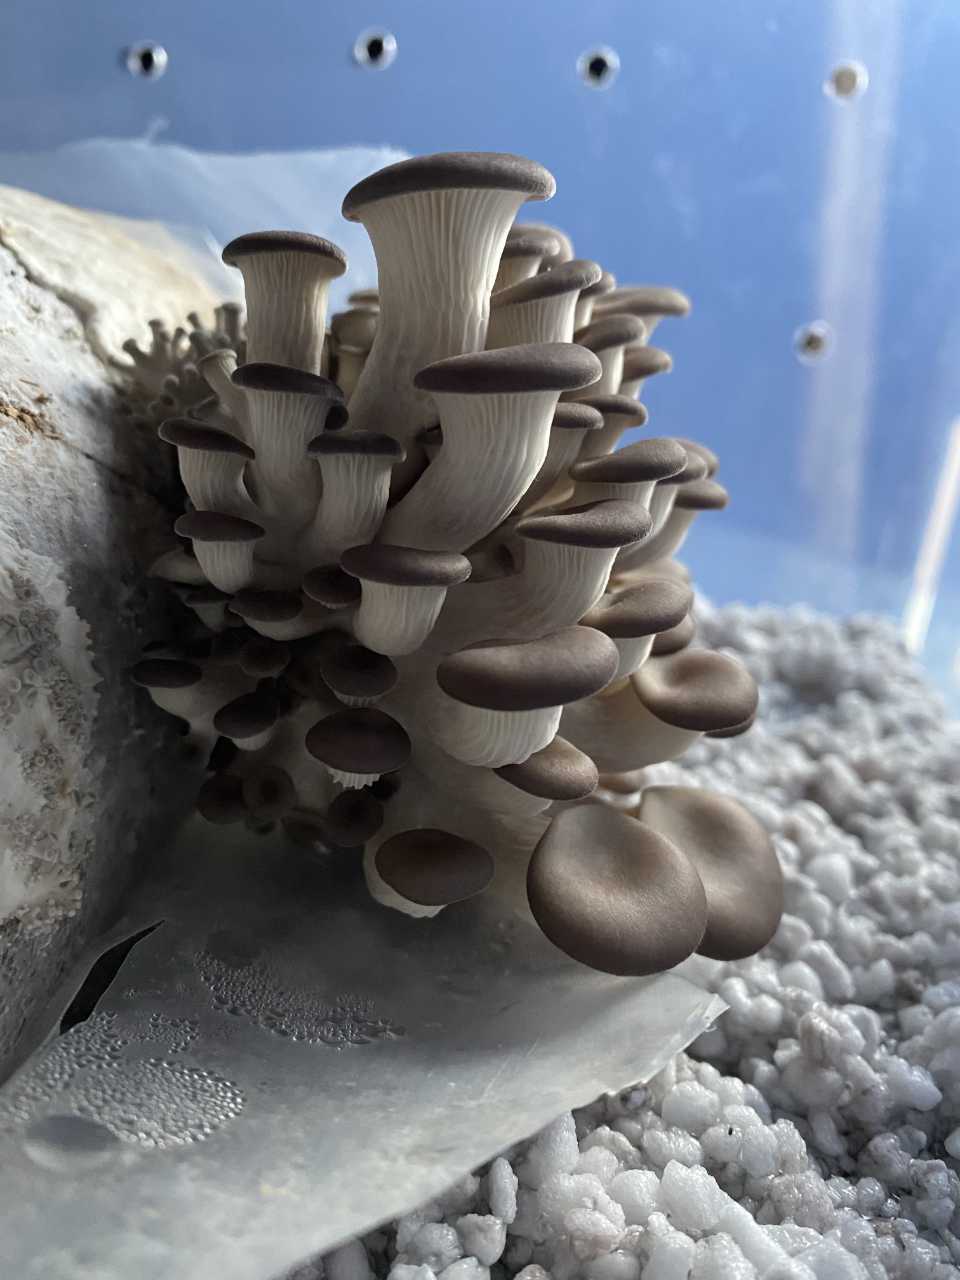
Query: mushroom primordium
[(426, 557)]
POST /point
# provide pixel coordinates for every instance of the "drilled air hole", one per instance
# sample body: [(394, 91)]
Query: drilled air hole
[(598, 67), (375, 50)]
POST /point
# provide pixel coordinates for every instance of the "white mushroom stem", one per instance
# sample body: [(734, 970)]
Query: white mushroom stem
[(584, 311), (217, 370), (394, 619), (664, 541), (285, 485), (198, 703), (539, 320), (212, 613), (479, 736), (437, 257), (634, 651), (350, 362), (611, 362), (286, 296), (256, 741), (356, 488), (349, 781), (513, 269), (619, 733), (562, 451), (599, 443), (493, 447), (176, 565), (213, 480), (227, 565)]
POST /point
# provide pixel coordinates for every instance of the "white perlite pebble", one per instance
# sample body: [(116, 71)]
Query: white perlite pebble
[(483, 1236), (349, 1262), (819, 1140)]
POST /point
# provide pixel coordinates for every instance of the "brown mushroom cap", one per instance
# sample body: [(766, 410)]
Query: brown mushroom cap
[(614, 894), (364, 298), (353, 670), (330, 586), (433, 867), (569, 277), (549, 239), (220, 799), (166, 673), (647, 300), (576, 415), (367, 444), (654, 459), (352, 818), (644, 610), (533, 366), (673, 639), (617, 406), (355, 329), (696, 689), (702, 495), (601, 286), (285, 242), (560, 771), (644, 362), (473, 170), (611, 522), (186, 433), (359, 740), (267, 606), (260, 375), (611, 331), (735, 730), (262, 657), (525, 244), (695, 469), (247, 716), (268, 792), (735, 859), (405, 566), (563, 667), (216, 526), (708, 456)]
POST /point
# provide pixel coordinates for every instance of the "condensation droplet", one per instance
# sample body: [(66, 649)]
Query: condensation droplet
[(66, 1143), (812, 341), (846, 80)]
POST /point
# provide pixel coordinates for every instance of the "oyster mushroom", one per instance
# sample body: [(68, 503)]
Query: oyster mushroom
[(438, 225), (359, 745), (676, 638), (353, 333), (223, 545), (635, 617), (523, 252), (541, 308), (354, 674), (403, 590), (671, 527), (590, 296), (558, 771), (619, 414), (649, 303), (631, 473), (248, 721), (356, 467), (640, 363), (500, 703), (286, 279), (211, 464), (735, 860), (607, 337), (496, 409), (572, 422), (433, 868), (615, 894)]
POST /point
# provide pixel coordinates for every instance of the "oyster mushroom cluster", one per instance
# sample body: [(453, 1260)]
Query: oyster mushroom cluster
[(436, 611)]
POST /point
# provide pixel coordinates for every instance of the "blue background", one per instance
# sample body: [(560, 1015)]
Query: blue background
[(715, 161)]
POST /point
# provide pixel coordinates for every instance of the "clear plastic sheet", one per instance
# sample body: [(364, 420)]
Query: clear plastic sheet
[(282, 1064)]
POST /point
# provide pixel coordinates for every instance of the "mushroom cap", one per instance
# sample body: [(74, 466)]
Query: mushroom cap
[(569, 277), (533, 366), (735, 860), (614, 894), (186, 433), (611, 331), (207, 594), (652, 459), (610, 522), (694, 469), (405, 566), (559, 771), (268, 792), (551, 671), (644, 610), (617, 406), (696, 689), (248, 715), (433, 867), (216, 526), (359, 740), (220, 799), (673, 639), (364, 298), (644, 362), (709, 457), (735, 730), (545, 234), (576, 415), (261, 375), (355, 329), (647, 300), (262, 657), (352, 818), (473, 170), (267, 606), (367, 444), (522, 243), (355, 671), (166, 673), (601, 286), (330, 586), (702, 495), (285, 242)]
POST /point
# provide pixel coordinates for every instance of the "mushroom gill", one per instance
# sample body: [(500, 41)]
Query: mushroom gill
[(438, 619)]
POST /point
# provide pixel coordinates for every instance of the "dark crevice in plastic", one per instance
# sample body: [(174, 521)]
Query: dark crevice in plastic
[(102, 973)]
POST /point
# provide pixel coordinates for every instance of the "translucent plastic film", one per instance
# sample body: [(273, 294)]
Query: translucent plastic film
[(282, 1063)]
